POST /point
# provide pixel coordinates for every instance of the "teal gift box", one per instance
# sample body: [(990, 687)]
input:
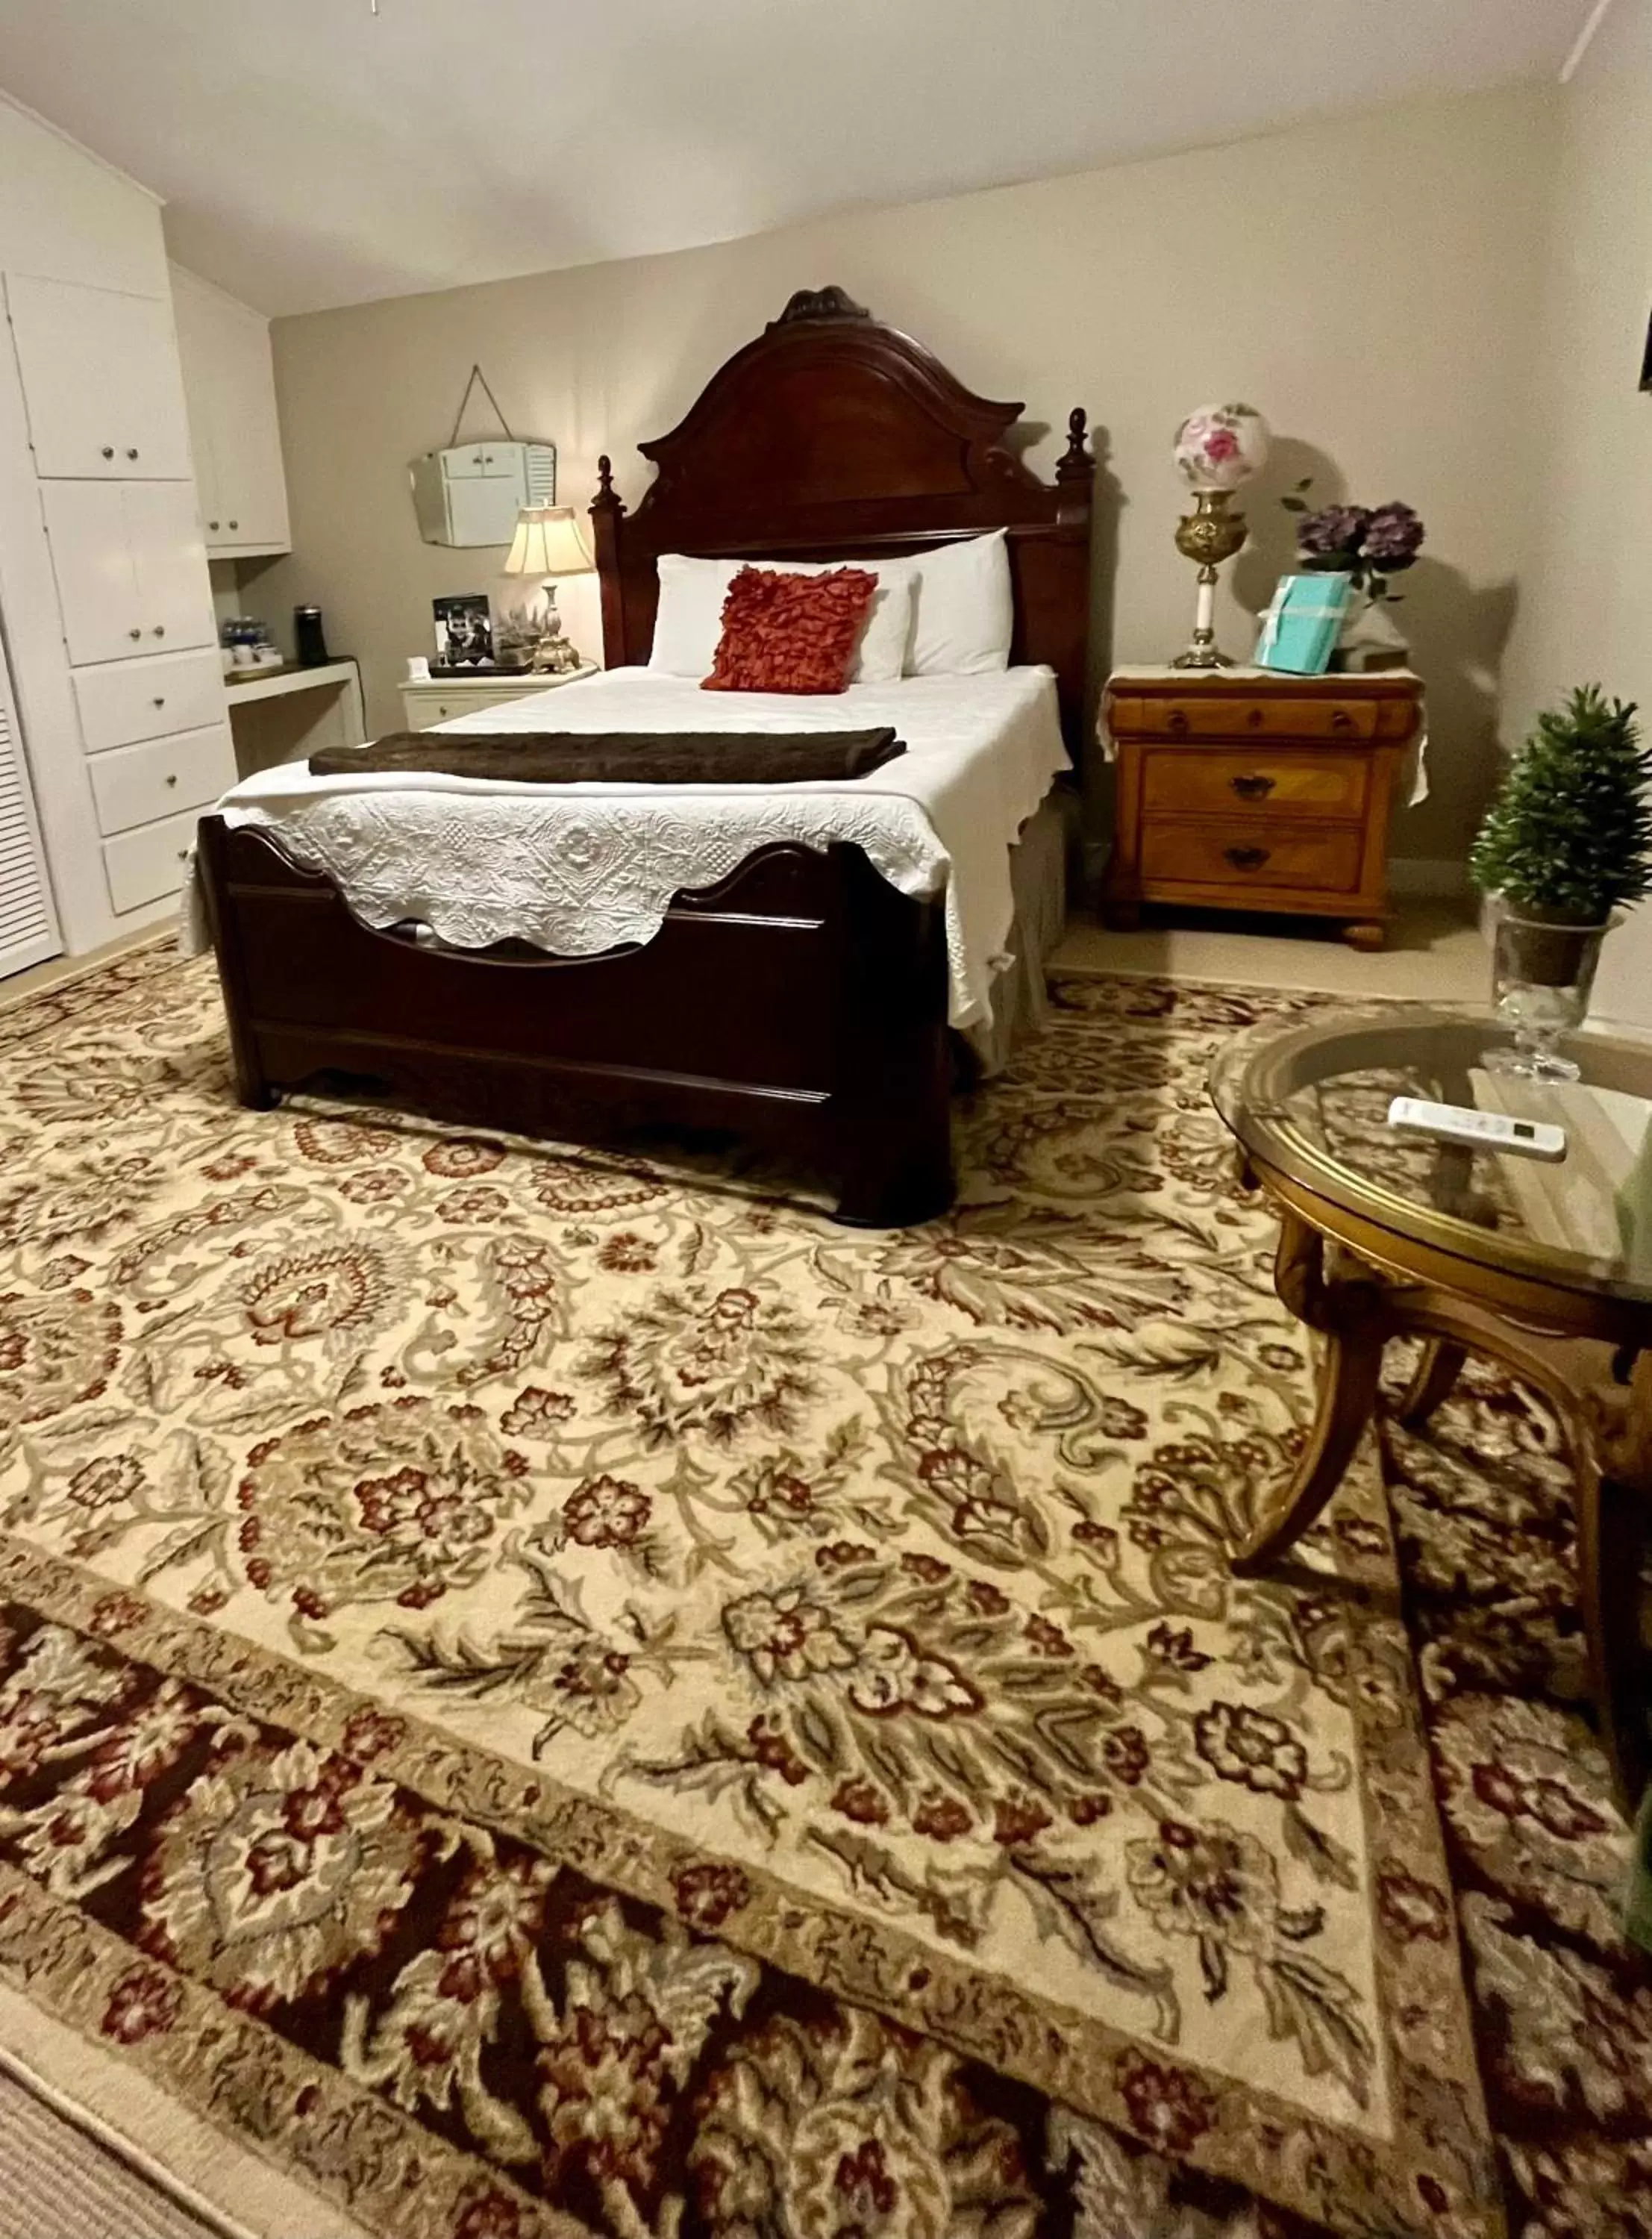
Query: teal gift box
[(1300, 629)]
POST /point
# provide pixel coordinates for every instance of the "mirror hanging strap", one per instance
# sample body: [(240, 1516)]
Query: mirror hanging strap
[(477, 374)]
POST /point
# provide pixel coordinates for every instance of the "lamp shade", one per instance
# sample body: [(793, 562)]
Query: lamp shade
[(1221, 446), (548, 543)]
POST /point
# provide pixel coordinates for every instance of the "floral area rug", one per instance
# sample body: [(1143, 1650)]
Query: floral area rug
[(544, 1692)]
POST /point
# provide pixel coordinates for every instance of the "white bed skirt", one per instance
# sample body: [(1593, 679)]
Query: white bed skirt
[(1039, 882)]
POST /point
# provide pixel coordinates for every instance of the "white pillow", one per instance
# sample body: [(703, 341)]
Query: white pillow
[(689, 620), (964, 609)]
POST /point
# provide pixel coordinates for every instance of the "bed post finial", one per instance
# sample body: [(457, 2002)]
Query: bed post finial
[(1075, 470), (1078, 460), (607, 511)]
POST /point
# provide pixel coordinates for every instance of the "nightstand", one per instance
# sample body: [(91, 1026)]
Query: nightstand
[(424, 706), (1240, 789)]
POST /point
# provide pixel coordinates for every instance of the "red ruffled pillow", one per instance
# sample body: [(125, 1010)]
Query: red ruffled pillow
[(790, 633)]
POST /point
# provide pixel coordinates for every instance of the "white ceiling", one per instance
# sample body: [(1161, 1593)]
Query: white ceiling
[(314, 154)]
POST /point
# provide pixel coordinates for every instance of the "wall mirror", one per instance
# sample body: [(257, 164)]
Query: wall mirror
[(472, 493)]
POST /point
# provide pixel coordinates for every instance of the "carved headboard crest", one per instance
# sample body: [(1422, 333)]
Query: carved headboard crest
[(833, 436), (818, 303)]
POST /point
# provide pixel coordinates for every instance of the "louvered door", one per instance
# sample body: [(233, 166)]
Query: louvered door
[(28, 923)]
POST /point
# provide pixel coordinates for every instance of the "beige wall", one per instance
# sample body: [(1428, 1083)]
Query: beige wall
[(1371, 284), (1586, 603)]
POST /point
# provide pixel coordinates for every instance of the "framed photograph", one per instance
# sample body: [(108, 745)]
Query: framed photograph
[(464, 631)]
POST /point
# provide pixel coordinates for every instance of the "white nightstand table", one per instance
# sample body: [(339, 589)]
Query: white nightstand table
[(424, 706)]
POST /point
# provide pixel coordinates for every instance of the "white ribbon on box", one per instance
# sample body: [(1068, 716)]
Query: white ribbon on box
[(1336, 611)]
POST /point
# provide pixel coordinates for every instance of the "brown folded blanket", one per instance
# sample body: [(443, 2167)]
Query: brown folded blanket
[(622, 757)]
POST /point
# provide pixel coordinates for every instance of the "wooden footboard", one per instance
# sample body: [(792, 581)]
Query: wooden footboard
[(801, 1003)]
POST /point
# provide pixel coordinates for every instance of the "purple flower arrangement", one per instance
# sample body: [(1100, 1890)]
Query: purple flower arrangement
[(1371, 543)]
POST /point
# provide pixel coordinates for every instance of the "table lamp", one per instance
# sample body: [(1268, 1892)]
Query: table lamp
[(548, 543), (1217, 448)]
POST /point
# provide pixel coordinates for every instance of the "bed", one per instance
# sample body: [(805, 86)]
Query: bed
[(792, 966)]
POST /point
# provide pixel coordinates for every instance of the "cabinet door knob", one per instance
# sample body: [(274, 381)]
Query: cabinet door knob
[(1247, 859), (108, 450), (134, 632), (160, 698), (212, 524), (235, 524), (171, 777), (1252, 788), (160, 629), (183, 855), (131, 454)]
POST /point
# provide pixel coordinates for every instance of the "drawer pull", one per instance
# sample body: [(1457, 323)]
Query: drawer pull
[(1257, 788), (160, 700), (172, 777), (1254, 718), (134, 632), (235, 524), (1176, 722), (212, 524), (1341, 719), (108, 450), (160, 629), (183, 855), (131, 454), (1247, 859)]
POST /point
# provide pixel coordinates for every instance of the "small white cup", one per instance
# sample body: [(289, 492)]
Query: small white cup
[(418, 668)]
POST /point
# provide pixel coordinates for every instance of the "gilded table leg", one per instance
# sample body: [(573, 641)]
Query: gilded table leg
[(1432, 1383), (1352, 1315)]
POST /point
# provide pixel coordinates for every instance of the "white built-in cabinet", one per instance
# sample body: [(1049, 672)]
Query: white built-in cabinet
[(100, 372), (229, 387), (105, 603), (130, 567)]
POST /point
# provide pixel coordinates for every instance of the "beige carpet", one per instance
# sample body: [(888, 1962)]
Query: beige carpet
[(59, 2181)]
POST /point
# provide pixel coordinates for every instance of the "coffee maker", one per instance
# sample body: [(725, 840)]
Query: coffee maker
[(309, 638)]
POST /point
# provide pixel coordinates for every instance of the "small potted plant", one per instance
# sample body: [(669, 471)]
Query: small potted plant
[(1566, 842)]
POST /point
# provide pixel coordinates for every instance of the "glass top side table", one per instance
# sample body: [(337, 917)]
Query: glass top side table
[(1546, 1268)]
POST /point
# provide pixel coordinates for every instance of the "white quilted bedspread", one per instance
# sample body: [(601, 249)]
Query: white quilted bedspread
[(577, 869)]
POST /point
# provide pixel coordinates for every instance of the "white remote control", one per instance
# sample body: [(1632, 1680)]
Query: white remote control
[(1481, 1131)]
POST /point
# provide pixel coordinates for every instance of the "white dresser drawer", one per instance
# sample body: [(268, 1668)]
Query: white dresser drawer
[(147, 865), (133, 785), (426, 704), (149, 699)]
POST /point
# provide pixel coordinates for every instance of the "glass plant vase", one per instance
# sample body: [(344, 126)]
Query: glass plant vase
[(1542, 977)]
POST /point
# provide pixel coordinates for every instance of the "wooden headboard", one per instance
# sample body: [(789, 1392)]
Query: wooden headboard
[(834, 437)]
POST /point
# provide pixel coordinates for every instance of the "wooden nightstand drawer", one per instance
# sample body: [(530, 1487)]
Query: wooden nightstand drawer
[(1214, 781), (1238, 714), (1243, 855)]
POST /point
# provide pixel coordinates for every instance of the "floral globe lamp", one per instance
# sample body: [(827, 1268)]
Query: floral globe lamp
[(1218, 448)]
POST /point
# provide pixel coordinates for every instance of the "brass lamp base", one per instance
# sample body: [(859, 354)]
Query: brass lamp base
[(554, 655), (1209, 535), (1203, 652)]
